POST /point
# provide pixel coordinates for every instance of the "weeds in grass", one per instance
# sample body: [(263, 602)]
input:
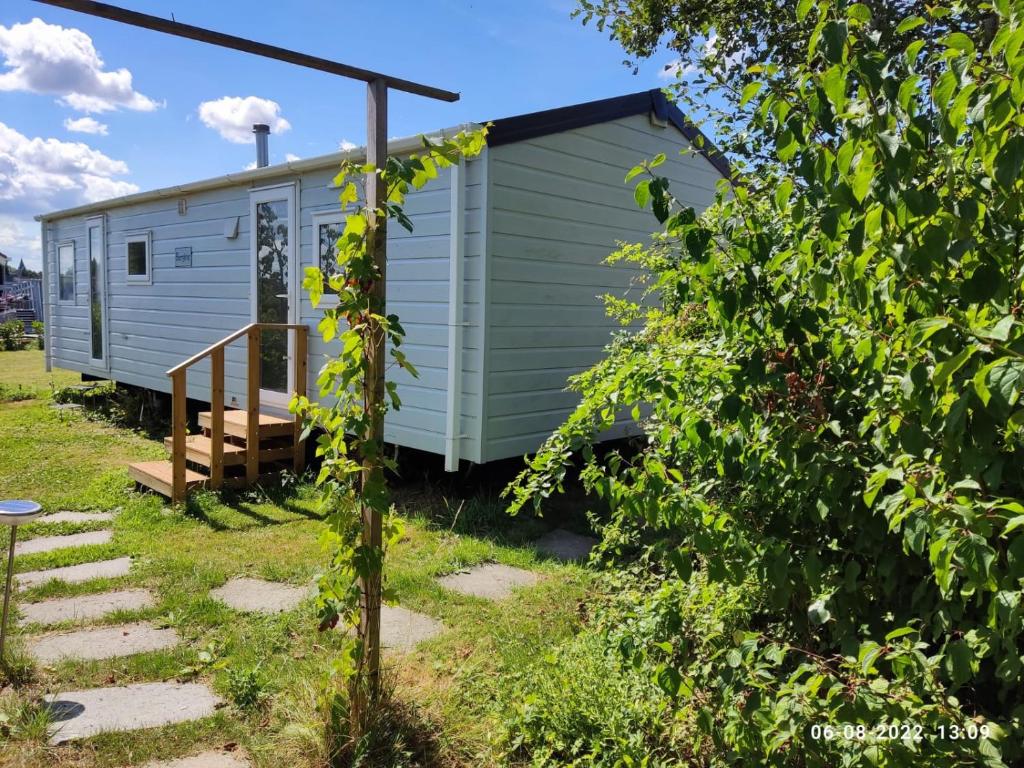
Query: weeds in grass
[(248, 687), (23, 719), (398, 734), (17, 667)]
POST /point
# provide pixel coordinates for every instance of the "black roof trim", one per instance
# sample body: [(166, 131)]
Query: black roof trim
[(522, 127)]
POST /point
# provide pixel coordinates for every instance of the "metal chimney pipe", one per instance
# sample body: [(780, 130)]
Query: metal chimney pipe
[(262, 132)]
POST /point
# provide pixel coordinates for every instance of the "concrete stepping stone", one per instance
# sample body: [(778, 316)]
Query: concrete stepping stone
[(80, 714), (492, 581), (85, 607), (259, 596), (101, 642), (204, 760), (402, 629), (77, 517), (565, 545), (76, 574), (52, 543)]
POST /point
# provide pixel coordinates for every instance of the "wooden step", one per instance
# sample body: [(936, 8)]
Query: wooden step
[(158, 475), (199, 450), (236, 423)]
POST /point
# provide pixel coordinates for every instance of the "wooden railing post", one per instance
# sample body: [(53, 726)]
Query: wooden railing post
[(217, 418), (178, 403), (298, 447), (252, 431)]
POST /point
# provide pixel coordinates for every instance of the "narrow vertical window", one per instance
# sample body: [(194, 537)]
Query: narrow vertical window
[(66, 273), (96, 281)]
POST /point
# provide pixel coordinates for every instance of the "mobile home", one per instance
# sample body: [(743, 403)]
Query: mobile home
[(498, 286)]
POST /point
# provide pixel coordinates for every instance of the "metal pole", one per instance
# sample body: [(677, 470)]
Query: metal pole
[(7, 593)]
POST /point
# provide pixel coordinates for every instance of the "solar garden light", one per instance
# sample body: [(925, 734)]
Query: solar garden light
[(13, 512)]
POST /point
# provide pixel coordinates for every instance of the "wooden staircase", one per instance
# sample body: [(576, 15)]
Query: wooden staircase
[(235, 447)]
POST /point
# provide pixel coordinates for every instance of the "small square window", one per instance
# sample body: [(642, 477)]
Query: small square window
[(139, 258), (66, 273)]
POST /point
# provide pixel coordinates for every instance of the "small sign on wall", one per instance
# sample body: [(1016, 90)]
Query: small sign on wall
[(183, 256)]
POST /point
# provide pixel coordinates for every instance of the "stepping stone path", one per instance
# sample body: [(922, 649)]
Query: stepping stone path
[(80, 714), (76, 574), (85, 606), (77, 517), (565, 545), (51, 543), (401, 629), (102, 642), (258, 596), (491, 581), (205, 760)]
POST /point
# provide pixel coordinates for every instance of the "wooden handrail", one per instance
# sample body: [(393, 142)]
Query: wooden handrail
[(233, 337), (254, 333)]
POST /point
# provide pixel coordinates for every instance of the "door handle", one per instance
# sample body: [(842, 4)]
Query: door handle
[(281, 296)]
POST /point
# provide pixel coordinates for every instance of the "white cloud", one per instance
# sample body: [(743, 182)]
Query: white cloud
[(233, 117), (39, 175), (86, 125), (346, 145), (250, 166), (48, 58), (19, 239), (289, 157), (676, 70)]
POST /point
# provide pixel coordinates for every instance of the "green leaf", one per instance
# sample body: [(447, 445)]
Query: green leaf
[(818, 613), (802, 9), (750, 91), (642, 193), (833, 82), (1009, 161), (948, 367), (908, 24)]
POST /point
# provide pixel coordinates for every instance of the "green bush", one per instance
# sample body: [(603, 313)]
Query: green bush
[(583, 705), (833, 379), (12, 336), (39, 330)]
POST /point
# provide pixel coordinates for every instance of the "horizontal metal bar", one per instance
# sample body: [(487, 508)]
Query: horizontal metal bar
[(146, 21)]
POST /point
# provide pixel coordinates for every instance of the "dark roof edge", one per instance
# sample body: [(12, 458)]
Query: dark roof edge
[(530, 126)]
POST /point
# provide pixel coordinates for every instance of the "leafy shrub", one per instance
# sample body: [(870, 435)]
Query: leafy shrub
[(12, 336), (833, 379), (39, 330), (248, 687)]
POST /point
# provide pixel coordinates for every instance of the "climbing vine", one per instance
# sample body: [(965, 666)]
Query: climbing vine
[(352, 477)]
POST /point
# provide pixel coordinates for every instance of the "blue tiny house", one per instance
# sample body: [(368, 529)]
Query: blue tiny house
[(498, 286)]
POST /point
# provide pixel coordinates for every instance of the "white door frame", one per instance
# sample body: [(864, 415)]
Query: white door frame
[(288, 193)]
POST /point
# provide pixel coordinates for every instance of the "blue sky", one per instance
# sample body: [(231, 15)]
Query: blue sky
[(79, 129)]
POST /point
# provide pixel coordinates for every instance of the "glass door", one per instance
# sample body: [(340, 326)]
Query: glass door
[(273, 253)]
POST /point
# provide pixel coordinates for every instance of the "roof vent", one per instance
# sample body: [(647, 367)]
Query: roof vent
[(262, 132)]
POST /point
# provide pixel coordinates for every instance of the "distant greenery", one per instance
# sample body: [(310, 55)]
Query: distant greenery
[(833, 370)]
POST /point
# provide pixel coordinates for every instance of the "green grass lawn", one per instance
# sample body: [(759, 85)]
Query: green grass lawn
[(450, 691)]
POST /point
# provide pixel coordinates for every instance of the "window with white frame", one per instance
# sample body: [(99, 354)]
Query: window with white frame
[(139, 258), (66, 273), (327, 228)]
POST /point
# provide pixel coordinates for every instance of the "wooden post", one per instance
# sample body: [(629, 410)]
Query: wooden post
[(298, 446), (252, 430), (217, 418), (178, 403), (373, 396)]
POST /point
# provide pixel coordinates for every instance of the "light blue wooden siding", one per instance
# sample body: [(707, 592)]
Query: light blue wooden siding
[(418, 292), (154, 327), (559, 204)]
